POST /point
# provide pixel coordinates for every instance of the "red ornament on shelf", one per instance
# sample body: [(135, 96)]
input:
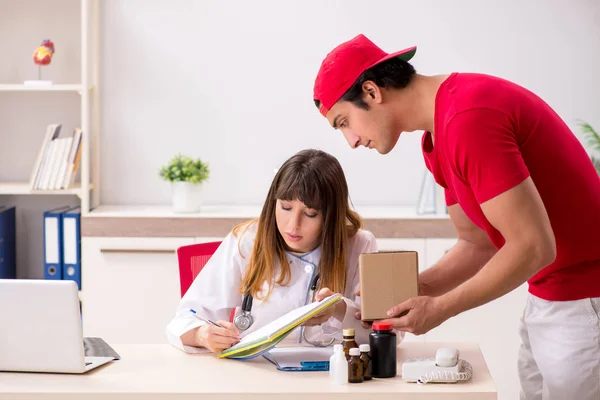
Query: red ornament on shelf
[(43, 54)]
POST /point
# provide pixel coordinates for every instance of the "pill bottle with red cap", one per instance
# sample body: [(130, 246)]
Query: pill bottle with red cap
[(383, 350)]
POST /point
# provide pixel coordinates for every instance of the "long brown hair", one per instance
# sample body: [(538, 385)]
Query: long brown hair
[(316, 179)]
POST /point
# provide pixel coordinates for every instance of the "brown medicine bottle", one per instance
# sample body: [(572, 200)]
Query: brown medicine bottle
[(349, 341), (355, 367), (365, 358)]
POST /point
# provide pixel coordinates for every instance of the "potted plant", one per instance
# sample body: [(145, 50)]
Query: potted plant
[(187, 176), (593, 141)]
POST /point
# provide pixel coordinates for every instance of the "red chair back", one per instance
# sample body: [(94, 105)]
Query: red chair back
[(192, 258)]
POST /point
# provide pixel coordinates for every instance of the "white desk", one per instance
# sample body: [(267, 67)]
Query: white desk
[(163, 372)]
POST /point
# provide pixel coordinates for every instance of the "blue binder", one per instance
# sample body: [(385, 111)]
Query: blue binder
[(8, 253), (53, 258), (71, 240)]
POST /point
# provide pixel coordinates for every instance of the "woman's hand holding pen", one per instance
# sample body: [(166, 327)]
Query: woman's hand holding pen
[(338, 311), (218, 338)]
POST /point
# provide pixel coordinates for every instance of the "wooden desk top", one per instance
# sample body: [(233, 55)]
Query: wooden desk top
[(163, 372)]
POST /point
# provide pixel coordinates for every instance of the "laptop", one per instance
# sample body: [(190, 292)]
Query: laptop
[(40, 329)]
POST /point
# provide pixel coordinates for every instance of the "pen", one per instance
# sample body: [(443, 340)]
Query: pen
[(202, 319)]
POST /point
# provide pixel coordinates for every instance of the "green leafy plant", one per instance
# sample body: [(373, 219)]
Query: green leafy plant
[(593, 141), (185, 169)]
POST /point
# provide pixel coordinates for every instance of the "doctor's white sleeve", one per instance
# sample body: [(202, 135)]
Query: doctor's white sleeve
[(213, 294)]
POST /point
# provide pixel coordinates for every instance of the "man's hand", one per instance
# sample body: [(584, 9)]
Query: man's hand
[(216, 338), (421, 314), (338, 311)]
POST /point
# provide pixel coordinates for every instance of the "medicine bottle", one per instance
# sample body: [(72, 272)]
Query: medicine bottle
[(383, 350), (349, 341), (366, 361), (338, 365), (355, 366)]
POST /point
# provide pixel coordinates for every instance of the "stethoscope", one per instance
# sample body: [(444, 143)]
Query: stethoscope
[(244, 321)]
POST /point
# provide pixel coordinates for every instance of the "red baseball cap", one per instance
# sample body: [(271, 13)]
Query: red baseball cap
[(344, 64)]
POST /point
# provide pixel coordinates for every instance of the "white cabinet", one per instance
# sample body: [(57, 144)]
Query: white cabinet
[(208, 239), (130, 287), (436, 248)]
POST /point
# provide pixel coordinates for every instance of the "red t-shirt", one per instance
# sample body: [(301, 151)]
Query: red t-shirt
[(490, 135)]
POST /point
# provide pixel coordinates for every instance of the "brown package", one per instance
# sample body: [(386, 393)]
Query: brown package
[(386, 278)]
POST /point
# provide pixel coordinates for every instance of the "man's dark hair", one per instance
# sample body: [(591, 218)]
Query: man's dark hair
[(392, 74)]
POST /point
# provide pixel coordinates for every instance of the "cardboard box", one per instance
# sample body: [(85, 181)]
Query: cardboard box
[(386, 278)]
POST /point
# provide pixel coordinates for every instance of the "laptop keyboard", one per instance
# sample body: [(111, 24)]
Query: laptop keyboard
[(96, 347)]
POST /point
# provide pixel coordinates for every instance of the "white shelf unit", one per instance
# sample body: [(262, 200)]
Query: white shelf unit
[(20, 188), (88, 189), (41, 88)]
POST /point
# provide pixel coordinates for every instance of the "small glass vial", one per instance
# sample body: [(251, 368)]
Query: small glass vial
[(366, 361), (349, 341), (355, 367), (338, 366), (383, 350)]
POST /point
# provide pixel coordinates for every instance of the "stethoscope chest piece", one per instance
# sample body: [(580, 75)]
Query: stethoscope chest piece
[(244, 320)]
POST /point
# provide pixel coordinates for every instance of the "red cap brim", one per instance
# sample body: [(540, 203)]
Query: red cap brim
[(404, 55)]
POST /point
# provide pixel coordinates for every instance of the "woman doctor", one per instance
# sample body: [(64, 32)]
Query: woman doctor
[(306, 236)]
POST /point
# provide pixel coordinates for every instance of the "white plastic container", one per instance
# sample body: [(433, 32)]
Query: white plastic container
[(338, 366)]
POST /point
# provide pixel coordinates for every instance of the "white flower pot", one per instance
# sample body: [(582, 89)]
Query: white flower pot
[(187, 197)]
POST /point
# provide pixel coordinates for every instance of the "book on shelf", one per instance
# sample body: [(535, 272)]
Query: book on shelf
[(8, 240), (57, 161)]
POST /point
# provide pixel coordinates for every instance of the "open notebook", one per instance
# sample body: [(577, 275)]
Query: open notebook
[(267, 337)]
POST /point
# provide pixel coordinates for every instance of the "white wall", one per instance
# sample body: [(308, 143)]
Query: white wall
[(232, 82)]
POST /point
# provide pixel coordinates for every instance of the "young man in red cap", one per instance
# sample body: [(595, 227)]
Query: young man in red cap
[(521, 191)]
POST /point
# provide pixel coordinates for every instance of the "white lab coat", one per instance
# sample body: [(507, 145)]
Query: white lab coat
[(215, 291)]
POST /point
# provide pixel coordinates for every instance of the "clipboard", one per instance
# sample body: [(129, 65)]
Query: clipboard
[(300, 359)]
